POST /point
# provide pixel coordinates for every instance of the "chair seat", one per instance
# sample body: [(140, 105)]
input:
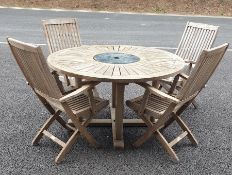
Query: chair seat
[(80, 104), (155, 105)]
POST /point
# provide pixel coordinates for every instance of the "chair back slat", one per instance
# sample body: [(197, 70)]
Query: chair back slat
[(61, 33), (196, 38), (205, 66), (34, 67)]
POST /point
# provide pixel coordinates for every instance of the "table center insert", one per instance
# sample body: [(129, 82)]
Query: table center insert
[(116, 58)]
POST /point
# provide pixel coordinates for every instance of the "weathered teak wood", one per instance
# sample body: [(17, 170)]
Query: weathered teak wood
[(117, 115), (61, 34), (195, 39), (153, 64), (167, 108), (76, 104), (108, 122)]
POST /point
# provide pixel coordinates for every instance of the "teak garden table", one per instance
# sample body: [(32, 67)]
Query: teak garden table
[(121, 65)]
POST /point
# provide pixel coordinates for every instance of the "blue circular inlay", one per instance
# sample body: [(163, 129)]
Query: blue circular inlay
[(116, 58)]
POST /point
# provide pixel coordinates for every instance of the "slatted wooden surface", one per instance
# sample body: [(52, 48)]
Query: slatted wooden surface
[(61, 33), (204, 69), (195, 39), (78, 61)]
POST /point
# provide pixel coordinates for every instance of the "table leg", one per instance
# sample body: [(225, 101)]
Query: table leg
[(113, 102), (117, 114)]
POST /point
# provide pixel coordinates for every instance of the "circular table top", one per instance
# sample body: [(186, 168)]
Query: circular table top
[(153, 64)]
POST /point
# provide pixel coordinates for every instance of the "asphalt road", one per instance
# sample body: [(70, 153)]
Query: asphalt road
[(22, 114)]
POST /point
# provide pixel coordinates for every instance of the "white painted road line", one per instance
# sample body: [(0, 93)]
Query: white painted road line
[(130, 13)]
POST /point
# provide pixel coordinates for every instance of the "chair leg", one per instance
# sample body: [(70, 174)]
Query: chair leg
[(154, 129), (143, 138), (67, 146), (194, 103), (46, 125), (151, 129), (83, 131), (147, 121), (167, 123), (88, 136), (79, 126), (166, 146), (147, 134), (62, 122), (158, 135), (70, 142), (185, 128), (161, 139)]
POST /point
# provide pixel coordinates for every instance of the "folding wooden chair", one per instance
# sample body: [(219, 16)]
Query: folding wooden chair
[(196, 38), (166, 109), (62, 34), (79, 105)]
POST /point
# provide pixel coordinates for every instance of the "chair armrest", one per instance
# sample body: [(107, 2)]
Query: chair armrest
[(79, 91), (175, 81), (191, 62), (159, 93)]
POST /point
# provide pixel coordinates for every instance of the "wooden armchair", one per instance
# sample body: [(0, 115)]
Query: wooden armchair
[(62, 34), (195, 39), (158, 105), (79, 105)]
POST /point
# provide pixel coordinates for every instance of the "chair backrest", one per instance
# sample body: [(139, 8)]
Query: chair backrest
[(34, 67), (196, 38), (205, 66), (61, 33)]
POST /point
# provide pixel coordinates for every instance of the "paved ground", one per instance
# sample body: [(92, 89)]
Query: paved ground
[(22, 114)]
